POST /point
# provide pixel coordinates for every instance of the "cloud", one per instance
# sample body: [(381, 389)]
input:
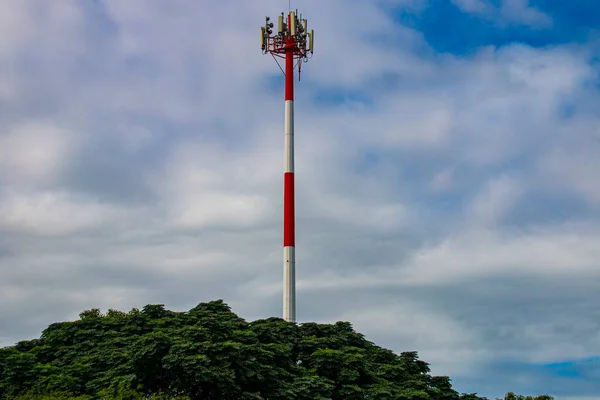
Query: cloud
[(449, 206), (51, 213), (518, 12), (34, 152)]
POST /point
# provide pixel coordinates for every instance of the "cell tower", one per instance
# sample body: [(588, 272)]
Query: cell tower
[(294, 43)]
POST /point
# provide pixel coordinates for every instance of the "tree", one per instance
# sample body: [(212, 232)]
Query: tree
[(211, 353), (512, 396)]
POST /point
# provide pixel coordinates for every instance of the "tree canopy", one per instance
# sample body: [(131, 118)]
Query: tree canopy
[(211, 353)]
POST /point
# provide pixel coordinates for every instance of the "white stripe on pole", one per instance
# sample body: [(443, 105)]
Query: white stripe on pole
[(289, 137), (289, 284)]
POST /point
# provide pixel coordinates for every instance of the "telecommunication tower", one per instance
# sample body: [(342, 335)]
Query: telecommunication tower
[(294, 43)]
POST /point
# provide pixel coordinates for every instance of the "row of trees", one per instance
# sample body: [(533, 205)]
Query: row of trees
[(211, 353)]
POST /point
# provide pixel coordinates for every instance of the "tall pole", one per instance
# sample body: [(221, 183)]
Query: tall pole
[(293, 42), (289, 234)]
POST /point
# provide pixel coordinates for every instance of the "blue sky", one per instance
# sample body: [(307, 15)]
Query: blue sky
[(448, 28), (446, 174)]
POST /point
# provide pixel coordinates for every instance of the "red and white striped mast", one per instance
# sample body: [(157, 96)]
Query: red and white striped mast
[(294, 43)]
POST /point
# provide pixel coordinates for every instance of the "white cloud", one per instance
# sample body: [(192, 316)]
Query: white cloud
[(518, 12), (442, 180), (448, 343), (573, 167), (560, 252), (33, 151), (492, 203), (52, 213)]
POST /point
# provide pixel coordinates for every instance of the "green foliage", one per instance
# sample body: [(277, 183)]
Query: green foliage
[(512, 396), (211, 353)]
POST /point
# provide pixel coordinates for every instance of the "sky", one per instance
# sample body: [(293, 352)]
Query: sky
[(447, 159)]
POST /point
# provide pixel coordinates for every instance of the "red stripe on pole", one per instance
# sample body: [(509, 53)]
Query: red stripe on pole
[(289, 71), (289, 238)]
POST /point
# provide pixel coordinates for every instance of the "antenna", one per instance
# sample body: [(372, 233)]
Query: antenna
[(292, 37), (293, 43)]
